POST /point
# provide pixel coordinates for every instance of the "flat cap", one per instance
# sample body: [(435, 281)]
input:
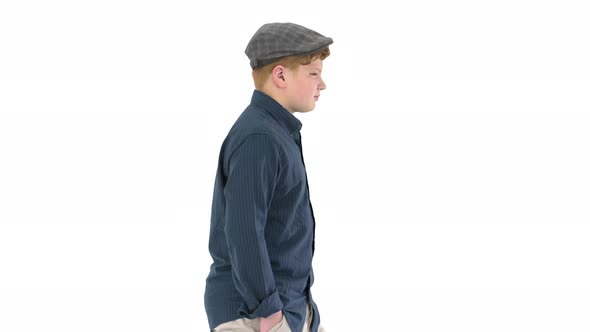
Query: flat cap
[(276, 40)]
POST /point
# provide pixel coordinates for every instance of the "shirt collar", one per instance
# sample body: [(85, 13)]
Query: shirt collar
[(277, 111)]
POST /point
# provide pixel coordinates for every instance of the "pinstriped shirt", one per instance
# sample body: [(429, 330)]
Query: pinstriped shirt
[(262, 224)]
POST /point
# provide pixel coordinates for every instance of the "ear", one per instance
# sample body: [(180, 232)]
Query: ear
[(279, 76)]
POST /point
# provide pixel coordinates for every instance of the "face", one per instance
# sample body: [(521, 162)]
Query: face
[(304, 86)]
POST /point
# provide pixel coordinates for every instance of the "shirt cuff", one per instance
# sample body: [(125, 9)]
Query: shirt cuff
[(267, 307)]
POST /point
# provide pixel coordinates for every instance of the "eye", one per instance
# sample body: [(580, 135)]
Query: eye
[(314, 74)]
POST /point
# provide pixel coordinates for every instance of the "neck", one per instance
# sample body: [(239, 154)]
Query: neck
[(277, 96)]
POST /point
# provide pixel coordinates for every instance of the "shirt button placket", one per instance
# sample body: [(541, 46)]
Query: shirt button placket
[(298, 140)]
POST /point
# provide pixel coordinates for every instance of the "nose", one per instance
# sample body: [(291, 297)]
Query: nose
[(322, 84)]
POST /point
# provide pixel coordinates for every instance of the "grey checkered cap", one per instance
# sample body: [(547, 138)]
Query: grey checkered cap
[(276, 40)]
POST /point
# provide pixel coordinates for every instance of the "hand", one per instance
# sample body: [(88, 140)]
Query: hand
[(267, 323)]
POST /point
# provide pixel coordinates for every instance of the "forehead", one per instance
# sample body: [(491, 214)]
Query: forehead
[(316, 64)]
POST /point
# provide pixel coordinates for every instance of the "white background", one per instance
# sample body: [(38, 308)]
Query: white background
[(448, 161)]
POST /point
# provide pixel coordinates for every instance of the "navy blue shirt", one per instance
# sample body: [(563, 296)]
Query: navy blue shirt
[(262, 224)]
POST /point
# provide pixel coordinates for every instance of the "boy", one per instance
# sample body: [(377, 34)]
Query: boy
[(262, 224)]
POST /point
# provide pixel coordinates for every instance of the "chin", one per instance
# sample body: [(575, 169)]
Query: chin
[(306, 109)]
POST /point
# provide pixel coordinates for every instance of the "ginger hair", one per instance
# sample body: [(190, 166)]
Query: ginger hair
[(261, 74)]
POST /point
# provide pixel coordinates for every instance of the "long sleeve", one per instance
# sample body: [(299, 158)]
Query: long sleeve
[(251, 180)]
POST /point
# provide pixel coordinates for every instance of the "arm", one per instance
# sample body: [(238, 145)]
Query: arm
[(251, 179)]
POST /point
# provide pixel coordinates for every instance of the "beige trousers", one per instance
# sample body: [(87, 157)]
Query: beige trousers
[(253, 325)]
